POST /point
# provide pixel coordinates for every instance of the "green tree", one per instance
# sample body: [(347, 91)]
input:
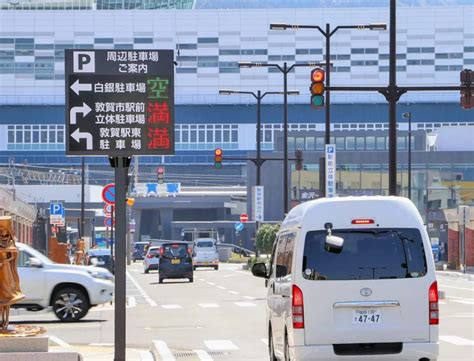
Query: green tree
[(266, 236)]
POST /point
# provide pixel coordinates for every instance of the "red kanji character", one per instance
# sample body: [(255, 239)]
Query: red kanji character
[(158, 138), (158, 113)]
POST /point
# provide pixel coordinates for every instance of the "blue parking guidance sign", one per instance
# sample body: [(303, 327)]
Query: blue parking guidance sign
[(56, 209)]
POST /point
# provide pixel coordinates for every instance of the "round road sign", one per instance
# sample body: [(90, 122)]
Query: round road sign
[(108, 222), (239, 227), (244, 218), (108, 193), (108, 209)]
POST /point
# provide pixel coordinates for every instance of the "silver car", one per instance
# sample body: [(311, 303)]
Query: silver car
[(152, 259)]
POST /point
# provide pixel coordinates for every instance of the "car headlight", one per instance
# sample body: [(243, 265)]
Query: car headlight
[(102, 275)]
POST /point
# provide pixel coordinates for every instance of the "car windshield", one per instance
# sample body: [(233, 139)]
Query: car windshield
[(207, 244), (139, 246), (154, 251), (175, 250), (367, 254)]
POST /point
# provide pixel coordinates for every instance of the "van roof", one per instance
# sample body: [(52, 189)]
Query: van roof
[(385, 211)]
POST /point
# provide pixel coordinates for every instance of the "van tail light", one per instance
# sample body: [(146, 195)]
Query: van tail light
[(149, 255), (363, 221), (190, 251), (297, 307), (433, 304), (162, 251)]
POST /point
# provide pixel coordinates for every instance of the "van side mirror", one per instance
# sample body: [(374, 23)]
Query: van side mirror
[(281, 271), (260, 270), (94, 261), (333, 244)]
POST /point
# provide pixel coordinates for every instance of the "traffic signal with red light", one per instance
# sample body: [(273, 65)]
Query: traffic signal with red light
[(317, 87), (299, 159), (161, 174), (218, 158), (467, 96)]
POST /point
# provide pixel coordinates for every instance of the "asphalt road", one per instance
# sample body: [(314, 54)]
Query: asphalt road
[(221, 316)]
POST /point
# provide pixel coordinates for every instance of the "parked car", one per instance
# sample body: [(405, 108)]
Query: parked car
[(175, 261), (205, 253), (101, 257), (152, 259), (354, 278), (69, 290), (139, 250)]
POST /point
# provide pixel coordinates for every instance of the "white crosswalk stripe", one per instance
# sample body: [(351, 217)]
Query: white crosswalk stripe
[(245, 304), (208, 305), (234, 292), (58, 341), (171, 307), (221, 287), (456, 340), (265, 341), (220, 345), (162, 348), (203, 355), (146, 356)]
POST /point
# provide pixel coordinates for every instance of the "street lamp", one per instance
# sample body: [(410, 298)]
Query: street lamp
[(284, 70), (407, 115), (259, 96), (327, 34)]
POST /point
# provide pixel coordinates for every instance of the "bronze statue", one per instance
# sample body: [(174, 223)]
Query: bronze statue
[(10, 292)]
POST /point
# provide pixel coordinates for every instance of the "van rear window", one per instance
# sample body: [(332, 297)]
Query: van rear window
[(367, 254), (206, 244)]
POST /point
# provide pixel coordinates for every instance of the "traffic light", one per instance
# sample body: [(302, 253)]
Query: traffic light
[(161, 174), (317, 87), (299, 159), (218, 158), (467, 96), (130, 202)]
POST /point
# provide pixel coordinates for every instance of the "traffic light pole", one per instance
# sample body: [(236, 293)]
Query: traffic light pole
[(285, 138)]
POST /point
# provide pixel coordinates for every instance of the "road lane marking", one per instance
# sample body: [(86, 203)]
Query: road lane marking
[(131, 302), (146, 356), (245, 304), (249, 297), (234, 292), (456, 288), (163, 350), (201, 279), (220, 345), (456, 340), (98, 344), (211, 283), (221, 287), (465, 301), (208, 305), (203, 355), (58, 341), (265, 341), (171, 307), (142, 291)]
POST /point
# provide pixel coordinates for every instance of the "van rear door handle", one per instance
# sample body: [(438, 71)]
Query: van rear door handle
[(362, 304)]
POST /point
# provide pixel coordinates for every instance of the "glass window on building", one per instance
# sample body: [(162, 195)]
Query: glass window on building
[(193, 135), (380, 143), (268, 136), (177, 136), (60, 134), (52, 134), (36, 134), (11, 134), (185, 136), (300, 143), (370, 143), (19, 134), (218, 134), (210, 136), (226, 134), (291, 143), (235, 136), (340, 143), (319, 143), (350, 143), (202, 134), (27, 137), (310, 144), (360, 143), (401, 143), (44, 134)]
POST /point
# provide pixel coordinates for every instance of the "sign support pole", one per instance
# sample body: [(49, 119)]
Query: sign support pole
[(121, 165)]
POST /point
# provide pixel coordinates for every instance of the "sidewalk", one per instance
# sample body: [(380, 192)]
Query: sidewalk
[(106, 353), (469, 275)]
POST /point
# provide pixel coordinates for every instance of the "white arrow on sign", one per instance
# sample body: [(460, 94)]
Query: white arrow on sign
[(78, 87), (85, 109), (78, 135)]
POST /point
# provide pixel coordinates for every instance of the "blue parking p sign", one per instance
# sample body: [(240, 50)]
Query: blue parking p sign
[(56, 209)]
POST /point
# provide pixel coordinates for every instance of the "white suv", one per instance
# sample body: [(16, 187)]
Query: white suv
[(70, 290)]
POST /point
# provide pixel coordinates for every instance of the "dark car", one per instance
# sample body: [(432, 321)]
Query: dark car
[(139, 250), (175, 261), (100, 257)]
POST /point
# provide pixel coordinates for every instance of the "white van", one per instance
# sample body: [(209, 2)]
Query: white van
[(352, 278), (205, 253)]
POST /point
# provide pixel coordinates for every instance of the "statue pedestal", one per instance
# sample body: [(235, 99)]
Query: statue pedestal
[(32, 348)]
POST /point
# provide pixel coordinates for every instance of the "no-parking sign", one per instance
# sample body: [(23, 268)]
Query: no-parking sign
[(108, 193)]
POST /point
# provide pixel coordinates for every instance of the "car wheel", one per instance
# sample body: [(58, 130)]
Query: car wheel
[(194, 268), (160, 280), (191, 280), (147, 270), (271, 348), (216, 268), (70, 304)]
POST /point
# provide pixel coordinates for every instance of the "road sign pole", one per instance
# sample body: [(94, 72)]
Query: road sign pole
[(112, 252), (121, 170)]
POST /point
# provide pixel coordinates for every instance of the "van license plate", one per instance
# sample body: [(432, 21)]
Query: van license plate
[(175, 261), (367, 316)]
